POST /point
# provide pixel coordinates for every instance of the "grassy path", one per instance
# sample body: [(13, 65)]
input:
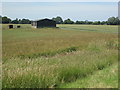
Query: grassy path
[(106, 78)]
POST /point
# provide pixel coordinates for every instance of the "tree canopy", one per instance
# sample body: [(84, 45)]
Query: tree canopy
[(113, 21), (6, 20), (68, 21), (58, 20)]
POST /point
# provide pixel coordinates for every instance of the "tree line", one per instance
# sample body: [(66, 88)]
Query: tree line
[(59, 20), (110, 21), (6, 20)]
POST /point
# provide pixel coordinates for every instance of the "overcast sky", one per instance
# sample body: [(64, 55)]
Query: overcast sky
[(91, 11)]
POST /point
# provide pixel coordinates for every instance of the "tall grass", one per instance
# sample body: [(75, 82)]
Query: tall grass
[(49, 54), (49, 57), (106, 78), (51, 72), (32, 41)]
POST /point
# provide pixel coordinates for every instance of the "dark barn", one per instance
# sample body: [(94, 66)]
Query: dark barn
[(18, 26), (43, 23), (10, 26)]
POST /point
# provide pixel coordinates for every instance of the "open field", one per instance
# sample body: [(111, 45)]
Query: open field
[(91, 28), (51, 57)]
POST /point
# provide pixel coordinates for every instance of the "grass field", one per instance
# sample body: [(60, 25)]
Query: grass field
[(55, 57), (106, 78)]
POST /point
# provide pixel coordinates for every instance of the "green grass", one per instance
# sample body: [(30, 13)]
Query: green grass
[(51, 57), (29, 41), (106, 78), (49, 54), (91, 28), (50, 72)]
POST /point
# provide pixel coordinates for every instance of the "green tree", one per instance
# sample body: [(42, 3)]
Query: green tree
[(96, 23), (68, 21), (25, 21), (19, 21), (6, 20), (89, 22), (58, 20), (103, 22), (81, 22), (77, 22), (117, 21), (15, 21), (113, 21)]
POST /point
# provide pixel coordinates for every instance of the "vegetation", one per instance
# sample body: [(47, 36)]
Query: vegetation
[(6, 20), (68, 21), (106, 78), (23, 21), (90, 28), (59, 20), (54, 57), (113, 21)]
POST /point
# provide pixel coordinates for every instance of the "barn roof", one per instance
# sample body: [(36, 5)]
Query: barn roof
[(43, 20)]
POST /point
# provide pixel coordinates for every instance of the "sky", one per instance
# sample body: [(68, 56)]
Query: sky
[(92, 11), (59, 0)]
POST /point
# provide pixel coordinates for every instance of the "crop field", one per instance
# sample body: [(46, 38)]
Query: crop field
[(65, 57)]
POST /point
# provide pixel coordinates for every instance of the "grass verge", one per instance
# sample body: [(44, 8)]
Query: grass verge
[(106, 78)]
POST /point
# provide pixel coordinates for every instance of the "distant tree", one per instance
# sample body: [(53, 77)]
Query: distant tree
[(25, 21), (68, 21), (90, 22), (117, 21), (77, 22), (103, 22), (96, 23), (19, 21), (113, 21), (6, 20), (15, 21), (99, 22), (58, 20), (82, 22), (87, 22)]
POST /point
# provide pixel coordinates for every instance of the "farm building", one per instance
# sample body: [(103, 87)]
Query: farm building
[(10, 26), (43, 23)]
